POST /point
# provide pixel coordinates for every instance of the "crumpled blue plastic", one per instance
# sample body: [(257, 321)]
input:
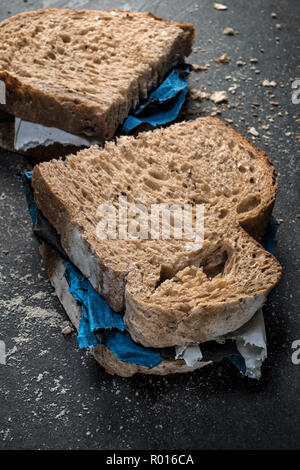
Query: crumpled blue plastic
[(163, 104), (97, 315), (91, 302)]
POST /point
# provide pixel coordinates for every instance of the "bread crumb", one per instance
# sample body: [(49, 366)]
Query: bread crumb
[(199, 95), (219, 97), (61, 414), (228, 32), (224, 59), (67, 330), (253, 131), (219, 6), (198, 67), (269, 83)]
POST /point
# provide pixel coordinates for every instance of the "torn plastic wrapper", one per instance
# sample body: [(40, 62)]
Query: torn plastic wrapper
[(98, 317), (191, 353), (29, 135), (163, 104), (251, 345), (100, 325)]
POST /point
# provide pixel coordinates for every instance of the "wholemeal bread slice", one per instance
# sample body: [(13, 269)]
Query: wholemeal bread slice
[(171, 294), (84, 70)]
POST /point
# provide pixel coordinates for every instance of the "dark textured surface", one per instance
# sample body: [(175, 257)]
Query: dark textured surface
[(54, 396)]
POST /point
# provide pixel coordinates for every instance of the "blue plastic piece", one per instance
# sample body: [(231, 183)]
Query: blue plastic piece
[(239, 362), (94, 308), (97, 316), (163, 104)]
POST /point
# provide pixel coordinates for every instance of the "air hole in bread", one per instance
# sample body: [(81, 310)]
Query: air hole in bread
[(235, 191), (215, 263), (242, 169), (50, 55), (248, 204), (158, 174), (223, 213), (84, 31), (166, 272), (65, 37), (152, 184)]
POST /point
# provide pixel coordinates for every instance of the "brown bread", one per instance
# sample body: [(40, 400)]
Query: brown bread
[(83, 71), (170, 294)]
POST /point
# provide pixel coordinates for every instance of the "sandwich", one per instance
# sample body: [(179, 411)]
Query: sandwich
[(143, 301), (72, 78)]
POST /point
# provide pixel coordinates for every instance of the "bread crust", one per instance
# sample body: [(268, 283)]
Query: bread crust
[(58, 109), (113, 365)]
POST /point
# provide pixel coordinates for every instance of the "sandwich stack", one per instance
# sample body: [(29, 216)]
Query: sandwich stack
[(72, 77), (168, 297), (142, 301)]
